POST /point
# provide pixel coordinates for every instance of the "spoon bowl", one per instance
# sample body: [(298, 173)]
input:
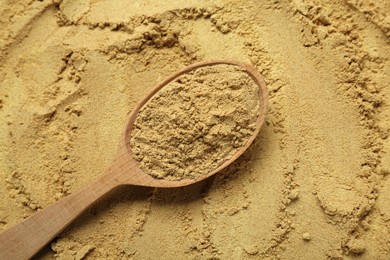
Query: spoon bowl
[(147, 180), (25, 239)]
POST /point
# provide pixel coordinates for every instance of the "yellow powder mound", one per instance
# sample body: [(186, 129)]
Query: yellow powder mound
[(196, 123), (314, 185)]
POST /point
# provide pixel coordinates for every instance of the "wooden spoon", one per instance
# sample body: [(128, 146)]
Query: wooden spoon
[(25, 239)]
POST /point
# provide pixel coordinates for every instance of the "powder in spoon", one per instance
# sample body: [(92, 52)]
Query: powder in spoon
[(196, 122)]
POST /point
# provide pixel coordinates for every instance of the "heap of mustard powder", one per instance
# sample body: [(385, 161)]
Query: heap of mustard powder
[(195, 123)]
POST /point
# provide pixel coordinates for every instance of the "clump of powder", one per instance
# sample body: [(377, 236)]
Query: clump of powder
[(196, 122)]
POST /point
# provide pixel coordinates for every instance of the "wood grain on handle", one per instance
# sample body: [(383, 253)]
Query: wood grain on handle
[(25, 239)]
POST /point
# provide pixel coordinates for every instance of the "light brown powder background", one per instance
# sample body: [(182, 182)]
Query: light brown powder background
[(315, 184)]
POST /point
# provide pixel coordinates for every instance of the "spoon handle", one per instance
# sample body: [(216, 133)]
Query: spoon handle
[(25, 239)]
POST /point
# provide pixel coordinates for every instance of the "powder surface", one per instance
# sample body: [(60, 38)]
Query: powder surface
[(72, 70), (195, 123)]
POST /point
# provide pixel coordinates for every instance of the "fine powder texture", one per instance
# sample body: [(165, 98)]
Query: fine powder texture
[(195, 123), (315, 183)]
